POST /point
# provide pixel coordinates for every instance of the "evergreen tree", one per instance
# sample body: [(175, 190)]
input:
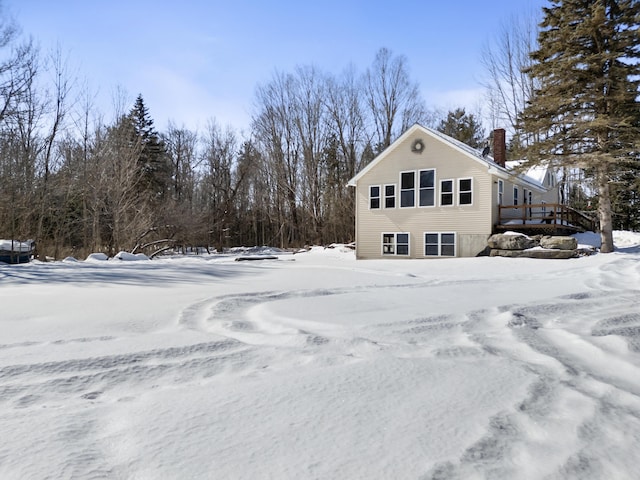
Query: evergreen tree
[(464, 127), (585, 112), (153, 162)]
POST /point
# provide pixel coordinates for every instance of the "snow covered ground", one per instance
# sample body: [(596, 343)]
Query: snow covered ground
[(318, 366)]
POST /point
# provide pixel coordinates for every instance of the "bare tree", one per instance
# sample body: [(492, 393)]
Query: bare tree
[(123, 214), (348, 138), (18, 69), (276, 133), (182, 144), (506, 58), (393, 99), (311, 124), (55, 108)]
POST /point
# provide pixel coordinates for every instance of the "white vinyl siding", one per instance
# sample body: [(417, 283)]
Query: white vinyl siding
[(470, 222)]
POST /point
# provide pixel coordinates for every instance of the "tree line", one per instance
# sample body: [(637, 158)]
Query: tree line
[(76, 183)]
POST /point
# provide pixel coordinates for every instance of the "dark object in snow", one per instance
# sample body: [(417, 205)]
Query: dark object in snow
[(14, 252), (256, 257)]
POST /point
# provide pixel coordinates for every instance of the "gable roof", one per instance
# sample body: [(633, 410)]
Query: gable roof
[(470, 152)]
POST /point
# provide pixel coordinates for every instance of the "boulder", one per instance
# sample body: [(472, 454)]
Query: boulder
[(505, 241), (559, 243), (535, 253), (552, 254), (496, 252)]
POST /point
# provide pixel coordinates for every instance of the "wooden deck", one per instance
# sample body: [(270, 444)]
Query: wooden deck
[(543, 218)]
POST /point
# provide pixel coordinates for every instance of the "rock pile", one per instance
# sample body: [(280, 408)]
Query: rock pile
[(512, 244)]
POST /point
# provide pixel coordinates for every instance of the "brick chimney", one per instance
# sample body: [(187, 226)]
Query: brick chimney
[(499, 146)]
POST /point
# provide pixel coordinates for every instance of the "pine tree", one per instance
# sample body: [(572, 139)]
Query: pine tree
[(585, 112), (153, 162), (462, 126)]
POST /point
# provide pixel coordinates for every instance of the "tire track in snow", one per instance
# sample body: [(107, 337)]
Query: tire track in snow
[(576, 402), (89, 378)]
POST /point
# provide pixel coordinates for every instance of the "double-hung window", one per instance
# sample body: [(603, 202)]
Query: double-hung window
[(427, 188), (439, 244), (407, 189), (465, 191), (446, 193), (374, 196), (390, 196), (515, 195), (500, 192), (395, 244)]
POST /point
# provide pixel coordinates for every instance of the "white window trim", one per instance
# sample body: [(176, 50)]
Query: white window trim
[(395, 244), (415, 189), (455, 244), (500, 192), (453, 192), (435, 188), (379, 197), (384, 195), (465, 191)]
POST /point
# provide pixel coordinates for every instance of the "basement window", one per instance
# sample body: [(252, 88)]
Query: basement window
[(439, 244), (395, 244)]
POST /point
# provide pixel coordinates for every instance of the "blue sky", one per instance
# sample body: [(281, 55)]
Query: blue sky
[(196, 60)]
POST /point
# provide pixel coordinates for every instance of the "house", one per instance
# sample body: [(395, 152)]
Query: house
[(428, 195)]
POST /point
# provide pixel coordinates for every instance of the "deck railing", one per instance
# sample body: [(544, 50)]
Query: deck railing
[(540, 215)]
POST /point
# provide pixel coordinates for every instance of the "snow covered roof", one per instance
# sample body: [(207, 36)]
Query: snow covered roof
[(15, 246)]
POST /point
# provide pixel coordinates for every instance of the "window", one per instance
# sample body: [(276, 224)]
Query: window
[(446, 193), (500, 192), (515, 195), (408, 189), (465, 193), (431, 244), (389, 196), (438, 244), (395, 244), (374, 196), (402, 243), (427, 188)]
